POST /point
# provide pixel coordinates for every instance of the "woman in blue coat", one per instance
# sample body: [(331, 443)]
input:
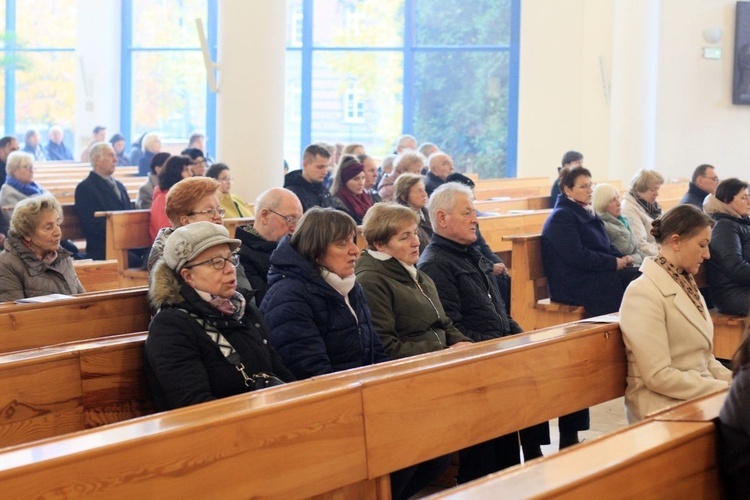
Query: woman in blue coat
[(317, 313), (583, 268)]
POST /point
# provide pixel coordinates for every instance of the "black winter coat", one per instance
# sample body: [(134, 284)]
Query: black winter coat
[(694, 196), (311, 325), (185, 366), (255, 257), (94, 194), (467, 289), (728, 269), (310, 194)]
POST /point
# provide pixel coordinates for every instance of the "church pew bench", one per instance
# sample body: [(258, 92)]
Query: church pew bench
[(512, 182), (532, 308), (503, 206), (672, 454), (97, 275), (64, 388), (338, 435), (85, 316)]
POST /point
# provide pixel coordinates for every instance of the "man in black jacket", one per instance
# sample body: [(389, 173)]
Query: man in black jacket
[(100, 191), (704, 182), (441, 166), (277, 212), (307, 183), (471, 298)]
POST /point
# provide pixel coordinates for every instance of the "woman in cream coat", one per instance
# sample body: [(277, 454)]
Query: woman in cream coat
[(640, 208), (665, 323)]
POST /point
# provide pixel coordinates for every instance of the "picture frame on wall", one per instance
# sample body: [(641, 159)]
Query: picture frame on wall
[(741, 80)]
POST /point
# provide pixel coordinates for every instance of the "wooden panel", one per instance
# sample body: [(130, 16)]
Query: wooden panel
[(249, 446), (513, 182), (495, 228), (560, 375), (650, 460), (40, 396), (97, 275), (728, 334), (703, 409), (233, 224), (82, 317), (114, 383), (131, 229)]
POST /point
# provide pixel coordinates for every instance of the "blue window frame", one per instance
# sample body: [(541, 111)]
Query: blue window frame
[(479, 64)]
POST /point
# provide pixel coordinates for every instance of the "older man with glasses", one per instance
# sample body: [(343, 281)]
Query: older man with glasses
[(704, 182), (277, 212)]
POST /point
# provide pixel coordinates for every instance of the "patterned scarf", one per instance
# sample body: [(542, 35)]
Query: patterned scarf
[(684, 279), (652, 209), (29, 189), (233, 307)]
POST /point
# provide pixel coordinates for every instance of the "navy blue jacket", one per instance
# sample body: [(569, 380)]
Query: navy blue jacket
[(55, 152), (694, 196), (310, 194), (579, 260), (94, 194), (312, 328)]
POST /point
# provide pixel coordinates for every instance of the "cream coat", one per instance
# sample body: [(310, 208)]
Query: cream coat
[(669, 345), (640, 225)]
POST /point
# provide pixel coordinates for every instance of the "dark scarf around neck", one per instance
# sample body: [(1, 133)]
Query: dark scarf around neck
[(357, 203), (652, 209)]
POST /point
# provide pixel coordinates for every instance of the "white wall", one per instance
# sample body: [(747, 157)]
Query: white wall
[(562, 103)]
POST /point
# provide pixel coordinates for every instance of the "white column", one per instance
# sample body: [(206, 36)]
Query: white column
[(250, 101), (634, 86), (97, 70)]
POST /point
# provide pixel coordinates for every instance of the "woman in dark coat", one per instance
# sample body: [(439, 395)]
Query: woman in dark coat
[(409, 190), (348, 189), (204, 330), (318, 315), (728, 269), (582, 266)]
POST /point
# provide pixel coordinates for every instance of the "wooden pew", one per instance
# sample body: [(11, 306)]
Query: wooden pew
[(85, 316), (97, 275), (504, 206), (671, 455), (337, 436), (70, 387)]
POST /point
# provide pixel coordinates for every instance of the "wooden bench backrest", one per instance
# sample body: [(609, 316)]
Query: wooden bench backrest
[(97, 275), (323, 434), (85, 316), (71, 224), (528, 203), (65, 388)]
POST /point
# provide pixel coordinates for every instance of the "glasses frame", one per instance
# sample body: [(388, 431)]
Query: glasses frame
[(289, 219), (211, 211), (233, 259)]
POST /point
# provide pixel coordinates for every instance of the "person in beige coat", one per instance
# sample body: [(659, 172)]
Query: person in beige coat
[(640, 208), (665, 323)]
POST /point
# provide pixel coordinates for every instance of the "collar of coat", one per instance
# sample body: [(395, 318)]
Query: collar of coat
[(34, 264)]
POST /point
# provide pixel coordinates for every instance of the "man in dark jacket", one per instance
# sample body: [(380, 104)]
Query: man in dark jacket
[(276, 214), (704, 182), (570, 159), (307, 182), (100, 191), (55, 150), (471, 299), (441, 166)]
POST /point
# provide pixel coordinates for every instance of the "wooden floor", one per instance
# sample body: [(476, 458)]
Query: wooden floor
[(605, 418)]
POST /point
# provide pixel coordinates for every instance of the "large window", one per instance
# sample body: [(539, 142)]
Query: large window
[(164, 79), (368, 71), (38, 66)]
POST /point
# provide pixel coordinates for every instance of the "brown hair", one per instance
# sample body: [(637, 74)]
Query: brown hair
[(644, 179), (181, 199), (403, 185), (384, 220), (682, 220), (317, 229), (569, 176)]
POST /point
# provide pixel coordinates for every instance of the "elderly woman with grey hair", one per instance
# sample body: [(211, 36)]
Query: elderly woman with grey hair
[(33, 262), (19, 183), (408, 161), (640, 208), (609, 208)]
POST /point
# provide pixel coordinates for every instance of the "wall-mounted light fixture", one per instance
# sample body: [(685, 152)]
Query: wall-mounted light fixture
[(712, 36)]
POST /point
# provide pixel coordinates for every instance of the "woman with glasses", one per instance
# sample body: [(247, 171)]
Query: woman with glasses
[(583, 268), (231, 203), (206, 340), (728, 269), (175, 169), (19, 184), (192, 200), (640, 208)]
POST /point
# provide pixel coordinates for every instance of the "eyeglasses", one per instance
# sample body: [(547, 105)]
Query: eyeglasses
[(211, 212), (290, 219), (218, 263), (226, 179), (714, 178), (586, 187)]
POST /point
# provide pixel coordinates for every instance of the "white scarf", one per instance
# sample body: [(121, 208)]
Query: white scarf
[(382, 256), (341, 285)]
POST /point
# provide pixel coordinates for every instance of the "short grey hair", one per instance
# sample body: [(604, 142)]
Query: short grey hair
[(97, 150), (148, 140), (603, 194), (407, 158), (18, 160), (444, 198), (28, 211), (644, 179)]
